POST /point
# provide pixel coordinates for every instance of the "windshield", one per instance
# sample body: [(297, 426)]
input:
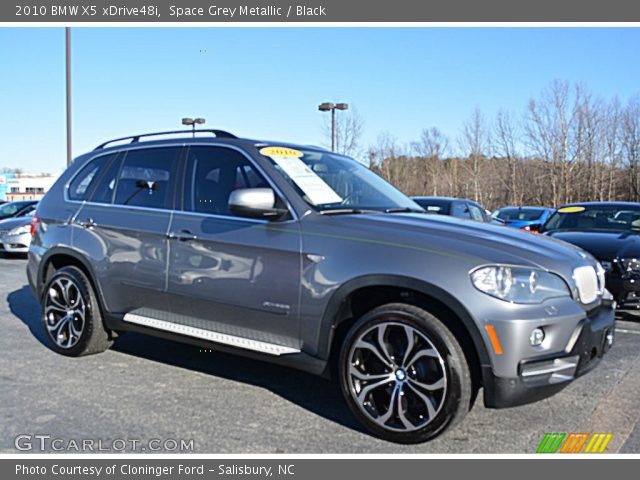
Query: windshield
[(519, 214), (610, 217), (327, 181), (9, 209)]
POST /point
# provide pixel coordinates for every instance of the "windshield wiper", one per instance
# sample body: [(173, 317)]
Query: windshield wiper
[(346, 211), (404, 210)]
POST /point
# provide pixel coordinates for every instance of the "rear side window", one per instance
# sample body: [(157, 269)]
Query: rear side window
[(213, 173), (146, 178), (107, 184), (460, 210), (433, 206), (88, 177)]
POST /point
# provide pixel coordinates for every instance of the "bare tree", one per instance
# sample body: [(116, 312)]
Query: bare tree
[(431, 149), (613, 149), (349, 130), (548, 130), (475, 142), (11, 170), (505, 137), (588, 143), (631, 144), (569, 146)]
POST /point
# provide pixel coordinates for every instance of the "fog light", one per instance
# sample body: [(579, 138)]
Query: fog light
[(537, 337)]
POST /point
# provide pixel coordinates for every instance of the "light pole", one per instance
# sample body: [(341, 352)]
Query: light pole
[(68, 99), (193, 122), (332, 107)]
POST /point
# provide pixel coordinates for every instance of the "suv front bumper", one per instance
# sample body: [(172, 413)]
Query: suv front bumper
[(543, 377)]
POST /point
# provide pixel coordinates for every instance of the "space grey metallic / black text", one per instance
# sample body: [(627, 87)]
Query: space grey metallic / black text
[(296, 255)]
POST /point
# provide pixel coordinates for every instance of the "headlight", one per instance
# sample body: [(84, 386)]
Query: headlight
[(519, 284), (20, 230)]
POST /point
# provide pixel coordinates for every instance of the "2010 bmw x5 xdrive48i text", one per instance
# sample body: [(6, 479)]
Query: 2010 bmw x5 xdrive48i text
[(301, 256)]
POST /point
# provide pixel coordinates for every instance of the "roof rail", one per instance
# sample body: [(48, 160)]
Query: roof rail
[(136, 138)]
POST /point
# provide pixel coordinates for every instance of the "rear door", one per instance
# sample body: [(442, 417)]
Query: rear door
[(123, 227), (228, 274)]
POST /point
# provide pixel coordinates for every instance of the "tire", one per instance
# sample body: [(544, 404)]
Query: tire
[(71, 315), (397, 377)]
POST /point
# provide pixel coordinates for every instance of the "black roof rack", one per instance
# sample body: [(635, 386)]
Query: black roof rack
[(136, 138)]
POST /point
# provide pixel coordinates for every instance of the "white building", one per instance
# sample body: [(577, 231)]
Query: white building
[(26, 186)]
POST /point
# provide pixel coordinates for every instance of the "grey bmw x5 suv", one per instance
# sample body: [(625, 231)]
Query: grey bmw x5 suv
[(300, 256)]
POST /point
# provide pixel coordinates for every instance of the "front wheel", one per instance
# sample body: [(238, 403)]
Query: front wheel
[(404, 374)]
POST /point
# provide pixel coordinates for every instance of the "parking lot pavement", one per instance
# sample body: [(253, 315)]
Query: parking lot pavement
[(146, 388)]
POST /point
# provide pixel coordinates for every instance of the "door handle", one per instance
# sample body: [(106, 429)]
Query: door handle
[(88, 223), (183, 236)]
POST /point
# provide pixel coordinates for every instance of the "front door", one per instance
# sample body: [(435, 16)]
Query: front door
[(232, 275)]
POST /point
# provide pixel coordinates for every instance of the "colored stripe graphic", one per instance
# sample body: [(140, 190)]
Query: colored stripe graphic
[(574, 442), (581, 442), (550, 443), (557, 442), (598, 443)]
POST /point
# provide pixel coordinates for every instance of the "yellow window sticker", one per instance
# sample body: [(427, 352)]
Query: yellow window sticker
[(316, 190), (282, 152), (571, 210)]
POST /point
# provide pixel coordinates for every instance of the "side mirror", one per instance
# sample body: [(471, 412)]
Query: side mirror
[(255, 203)]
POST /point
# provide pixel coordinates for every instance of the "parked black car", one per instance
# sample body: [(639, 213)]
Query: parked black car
[(17, 209), (611, 233), (456, 207)]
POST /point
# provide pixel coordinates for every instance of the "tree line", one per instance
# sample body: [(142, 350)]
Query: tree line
[(568, 145)]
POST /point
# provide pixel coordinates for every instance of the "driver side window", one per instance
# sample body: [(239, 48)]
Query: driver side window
[(212, 174)]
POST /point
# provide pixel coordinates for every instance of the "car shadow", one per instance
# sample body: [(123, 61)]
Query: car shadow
[(10, 256), (313, 393), (23, 304)]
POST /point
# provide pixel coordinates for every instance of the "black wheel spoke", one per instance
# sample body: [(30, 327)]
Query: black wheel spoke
[(64, 312)]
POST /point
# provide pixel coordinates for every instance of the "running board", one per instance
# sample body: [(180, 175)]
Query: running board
[(231, 340)]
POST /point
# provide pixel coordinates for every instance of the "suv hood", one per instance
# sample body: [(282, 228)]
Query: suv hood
[(485, 243), (603, 245)]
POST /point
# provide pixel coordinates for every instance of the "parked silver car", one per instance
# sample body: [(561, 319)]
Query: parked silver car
[(304, 257), (15, 234)]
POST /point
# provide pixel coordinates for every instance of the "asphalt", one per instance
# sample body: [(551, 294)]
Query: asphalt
[(145, 388)]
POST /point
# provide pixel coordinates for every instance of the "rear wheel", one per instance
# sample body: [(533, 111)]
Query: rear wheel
[(72, 316), (404, 374)]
